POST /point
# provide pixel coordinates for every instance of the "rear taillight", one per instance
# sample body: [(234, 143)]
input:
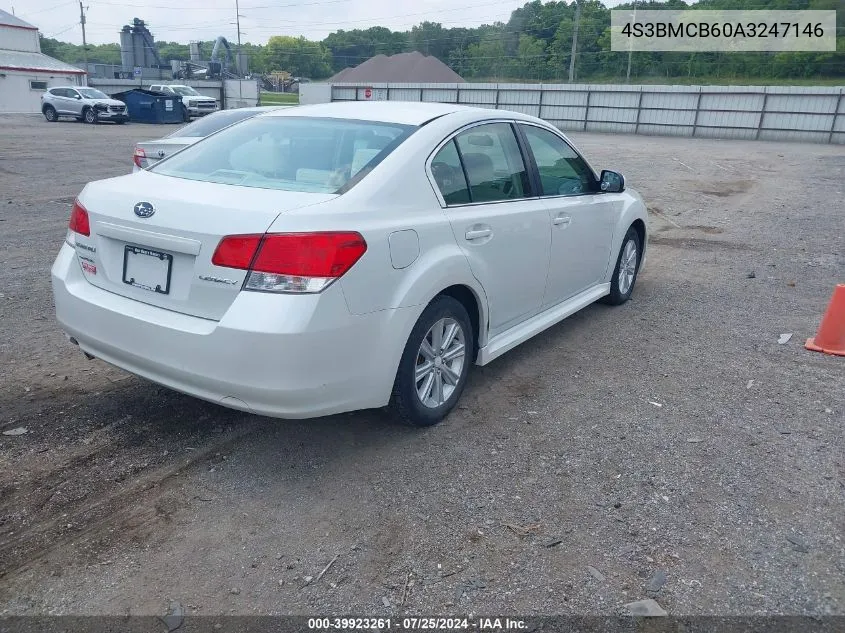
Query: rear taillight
[(140, 157), (290, 262), (79, 220)]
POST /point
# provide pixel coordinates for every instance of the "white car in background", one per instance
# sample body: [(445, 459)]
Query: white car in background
[(148, 153), (195, 104), (344, 256)]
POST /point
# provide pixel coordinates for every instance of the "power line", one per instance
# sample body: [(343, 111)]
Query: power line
[(245, 8), (65, 30), (57, 6), (223, 22)]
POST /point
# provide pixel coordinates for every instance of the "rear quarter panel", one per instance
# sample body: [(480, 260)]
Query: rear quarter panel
[(395, 196)]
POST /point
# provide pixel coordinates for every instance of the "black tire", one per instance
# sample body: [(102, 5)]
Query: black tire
[(407, 404), (617, 296), (120, 121), (186, 116), (50, 114), (89, 115)]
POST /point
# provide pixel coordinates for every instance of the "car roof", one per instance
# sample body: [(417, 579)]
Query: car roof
[(402, 112)]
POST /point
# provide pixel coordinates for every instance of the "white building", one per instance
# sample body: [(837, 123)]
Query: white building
[(25, 72)]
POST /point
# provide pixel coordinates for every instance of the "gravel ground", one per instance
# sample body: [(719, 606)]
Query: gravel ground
[(670, 448)]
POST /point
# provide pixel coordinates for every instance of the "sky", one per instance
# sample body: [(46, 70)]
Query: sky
[(186, 20)]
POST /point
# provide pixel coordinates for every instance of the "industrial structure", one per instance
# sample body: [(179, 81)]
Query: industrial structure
[(213, 68), (140, 59)]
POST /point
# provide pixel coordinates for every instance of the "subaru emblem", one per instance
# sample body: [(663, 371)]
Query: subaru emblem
[(144, 209)]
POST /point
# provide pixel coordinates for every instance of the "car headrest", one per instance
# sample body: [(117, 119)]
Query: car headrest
[(479, 167)]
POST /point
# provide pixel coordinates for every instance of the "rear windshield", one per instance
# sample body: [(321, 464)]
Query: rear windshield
[(289, 153), (211, 123)]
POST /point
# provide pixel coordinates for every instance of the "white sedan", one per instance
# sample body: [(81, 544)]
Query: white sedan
[(345, 256), (148, 153)]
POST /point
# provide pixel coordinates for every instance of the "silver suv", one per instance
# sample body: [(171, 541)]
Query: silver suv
[(86, 104)]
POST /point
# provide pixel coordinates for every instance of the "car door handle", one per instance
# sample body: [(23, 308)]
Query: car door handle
[(477, 234), (562, 220)]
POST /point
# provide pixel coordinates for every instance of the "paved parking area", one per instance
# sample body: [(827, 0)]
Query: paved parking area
[(673, 434)]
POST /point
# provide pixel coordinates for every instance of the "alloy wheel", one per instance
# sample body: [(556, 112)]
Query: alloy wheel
[(440, 362), (627, 267)]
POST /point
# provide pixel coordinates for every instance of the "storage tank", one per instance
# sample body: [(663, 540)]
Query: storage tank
[(127, 55)]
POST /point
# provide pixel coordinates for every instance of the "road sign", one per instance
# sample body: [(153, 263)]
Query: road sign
[(372, 94)]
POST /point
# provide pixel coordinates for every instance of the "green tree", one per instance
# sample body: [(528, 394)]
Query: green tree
[(298, 56)]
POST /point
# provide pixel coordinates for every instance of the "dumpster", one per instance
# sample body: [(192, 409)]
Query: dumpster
[(147, 106)]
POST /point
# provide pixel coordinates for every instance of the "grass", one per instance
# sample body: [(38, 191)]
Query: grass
[(279, 98)]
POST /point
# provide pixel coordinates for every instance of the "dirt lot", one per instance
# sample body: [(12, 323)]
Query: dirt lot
[(673, 434)]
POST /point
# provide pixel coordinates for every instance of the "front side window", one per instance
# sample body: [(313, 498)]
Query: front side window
[(493, 163), (562, 171), (288, 153)]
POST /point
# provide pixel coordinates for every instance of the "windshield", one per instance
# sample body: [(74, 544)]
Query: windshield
[(288, 153), (185, 91), (212, 123), (90, 93)]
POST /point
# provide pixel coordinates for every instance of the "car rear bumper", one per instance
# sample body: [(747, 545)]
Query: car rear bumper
[(278, 355)]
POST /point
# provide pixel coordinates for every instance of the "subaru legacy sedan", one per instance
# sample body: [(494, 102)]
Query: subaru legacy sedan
[(345, 256)]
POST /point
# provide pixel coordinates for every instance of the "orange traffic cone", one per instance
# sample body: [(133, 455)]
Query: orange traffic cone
[(831, 335)]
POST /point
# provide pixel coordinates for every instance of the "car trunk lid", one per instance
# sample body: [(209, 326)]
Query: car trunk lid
[(163, 258)]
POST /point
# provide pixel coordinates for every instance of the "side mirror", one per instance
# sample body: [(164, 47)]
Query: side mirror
[(78, 97), (612, 181)]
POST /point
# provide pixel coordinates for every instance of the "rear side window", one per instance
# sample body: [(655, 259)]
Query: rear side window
[(493, 163), (449, 175), (288, 153)]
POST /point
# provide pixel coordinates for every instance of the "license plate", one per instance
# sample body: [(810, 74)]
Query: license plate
[(147, 269)]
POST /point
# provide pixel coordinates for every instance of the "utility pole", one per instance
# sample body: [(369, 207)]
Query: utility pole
[(238, 23), (628, 74), (84, 42), (574, 41)]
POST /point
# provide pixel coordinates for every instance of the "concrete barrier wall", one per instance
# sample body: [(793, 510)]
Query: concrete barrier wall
[(240, 93), (792, 113), (111, 86)]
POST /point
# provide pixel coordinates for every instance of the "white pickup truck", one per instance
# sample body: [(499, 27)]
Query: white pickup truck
[(195, 103)]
